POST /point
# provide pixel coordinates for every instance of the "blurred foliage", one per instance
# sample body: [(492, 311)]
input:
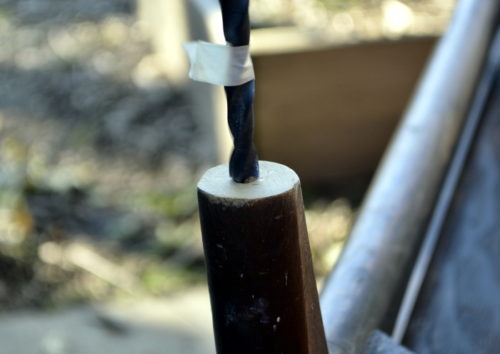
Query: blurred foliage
[(174, 204), (99, 157), (60, 244)]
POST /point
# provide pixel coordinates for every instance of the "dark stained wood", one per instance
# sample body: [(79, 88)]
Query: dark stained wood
[(262, 288)]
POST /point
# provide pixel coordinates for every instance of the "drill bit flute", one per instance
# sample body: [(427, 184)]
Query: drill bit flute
[(243, 166)]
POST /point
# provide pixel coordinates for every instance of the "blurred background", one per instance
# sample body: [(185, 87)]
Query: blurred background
[(103, 139)]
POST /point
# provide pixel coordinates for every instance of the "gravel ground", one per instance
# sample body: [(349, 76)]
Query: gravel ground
[(74, 87), (179, 325)]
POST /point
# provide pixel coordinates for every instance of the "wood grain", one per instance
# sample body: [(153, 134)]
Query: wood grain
[(341, 103), (262, 288)]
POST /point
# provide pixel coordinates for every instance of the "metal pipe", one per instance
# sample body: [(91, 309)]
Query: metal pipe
[(447, 192), (383, 242)]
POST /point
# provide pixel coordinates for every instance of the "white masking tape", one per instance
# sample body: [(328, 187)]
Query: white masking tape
[(219, 64)]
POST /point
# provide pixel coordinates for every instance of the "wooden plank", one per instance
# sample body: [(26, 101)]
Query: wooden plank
[(329, 113)]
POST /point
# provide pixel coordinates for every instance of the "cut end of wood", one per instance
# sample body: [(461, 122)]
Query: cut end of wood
[(274, 179)]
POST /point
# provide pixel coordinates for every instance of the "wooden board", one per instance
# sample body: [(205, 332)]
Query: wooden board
[(329, 112)]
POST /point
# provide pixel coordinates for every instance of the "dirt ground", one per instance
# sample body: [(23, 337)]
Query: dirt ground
[(178, 325)]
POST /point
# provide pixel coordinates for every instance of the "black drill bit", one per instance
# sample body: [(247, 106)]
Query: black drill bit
[(243, 165)]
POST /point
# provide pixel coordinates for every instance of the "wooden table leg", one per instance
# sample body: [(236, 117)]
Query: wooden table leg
[(262, 287)]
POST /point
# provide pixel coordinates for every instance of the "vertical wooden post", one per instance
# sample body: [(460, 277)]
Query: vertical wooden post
[(262, 288)]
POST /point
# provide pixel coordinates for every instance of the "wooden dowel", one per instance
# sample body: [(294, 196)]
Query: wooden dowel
[(262, 288)]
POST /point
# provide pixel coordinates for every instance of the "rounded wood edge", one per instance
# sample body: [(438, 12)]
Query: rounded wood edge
[(275, 179)]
